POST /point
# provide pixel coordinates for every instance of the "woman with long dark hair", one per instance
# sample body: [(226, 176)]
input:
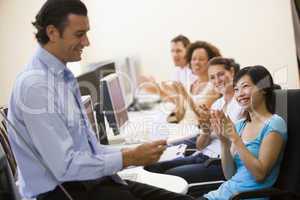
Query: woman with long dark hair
[(252, 149)]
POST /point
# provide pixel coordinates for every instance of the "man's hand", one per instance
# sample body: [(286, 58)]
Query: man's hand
[(148, 84), (144, 154), (146, 79)]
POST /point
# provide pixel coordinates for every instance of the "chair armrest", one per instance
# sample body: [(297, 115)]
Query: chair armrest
[(199, 189), (270, 192), (212, 161), (212, 183)]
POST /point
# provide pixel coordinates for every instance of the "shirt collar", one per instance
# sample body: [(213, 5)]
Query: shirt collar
[(53, 64)]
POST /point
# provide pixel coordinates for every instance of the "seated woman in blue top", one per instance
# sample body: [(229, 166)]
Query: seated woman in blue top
[(252, 149)]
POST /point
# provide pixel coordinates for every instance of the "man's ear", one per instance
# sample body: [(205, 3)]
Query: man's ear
[(52, 33)]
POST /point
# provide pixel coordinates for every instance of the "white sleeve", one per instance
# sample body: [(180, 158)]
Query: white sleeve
[(217, 105), (175, 75)]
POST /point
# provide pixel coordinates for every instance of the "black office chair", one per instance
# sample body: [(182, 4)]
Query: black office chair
[(288, 182), (6, 146), (287, 186), (8, 190)]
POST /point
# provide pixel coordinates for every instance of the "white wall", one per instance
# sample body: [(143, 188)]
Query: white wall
[(251, 31)]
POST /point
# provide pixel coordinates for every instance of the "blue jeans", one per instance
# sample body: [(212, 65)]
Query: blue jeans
[(191, 168), (191, 143)]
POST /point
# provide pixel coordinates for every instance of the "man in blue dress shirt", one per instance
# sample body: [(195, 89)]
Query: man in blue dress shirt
[(58, 145)]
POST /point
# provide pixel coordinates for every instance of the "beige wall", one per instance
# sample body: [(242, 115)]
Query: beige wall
[(251, 31), (16, 40)]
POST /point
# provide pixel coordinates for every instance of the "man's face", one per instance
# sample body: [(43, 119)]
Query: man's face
[(73, 39), (178, 52)]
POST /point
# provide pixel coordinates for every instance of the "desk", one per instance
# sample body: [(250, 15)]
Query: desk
[(168, 182), (150, 125)]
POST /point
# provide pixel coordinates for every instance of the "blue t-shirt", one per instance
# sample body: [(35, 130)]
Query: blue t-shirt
[(243, 180)]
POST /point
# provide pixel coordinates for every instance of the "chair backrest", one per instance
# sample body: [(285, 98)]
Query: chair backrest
[(288, 106), (4, 109), (8, 190), (6, 146)]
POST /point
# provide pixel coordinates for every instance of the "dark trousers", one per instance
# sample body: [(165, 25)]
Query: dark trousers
[(109, 190), (191, 168), (202, 198)]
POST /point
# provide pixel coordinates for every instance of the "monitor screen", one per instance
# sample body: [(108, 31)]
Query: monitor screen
[(89, 109), (114, 103)]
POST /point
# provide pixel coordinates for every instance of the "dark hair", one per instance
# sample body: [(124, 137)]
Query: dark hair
[(210, 49), (181, 38), (55, 12), (262, 78), (228, 63)]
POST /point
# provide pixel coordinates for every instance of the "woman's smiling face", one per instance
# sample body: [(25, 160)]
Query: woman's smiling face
[(220, 77), (247, 94), (199, 62)]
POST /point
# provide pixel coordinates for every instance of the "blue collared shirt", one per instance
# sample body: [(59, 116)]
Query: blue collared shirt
[(46, 108)]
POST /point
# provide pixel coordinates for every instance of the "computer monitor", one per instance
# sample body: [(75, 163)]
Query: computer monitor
[(127, 74), (114, 103), (89, 79), (89, 109), (134, 71), (89, 84)]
